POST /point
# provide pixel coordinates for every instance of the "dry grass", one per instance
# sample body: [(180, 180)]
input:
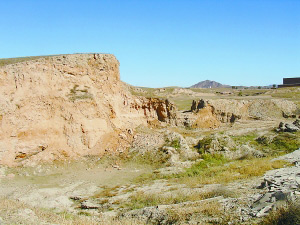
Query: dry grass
[(108, 192), (183, 103), (4, 62), (220, 172), (215, 169), (141, 199), (10, 213), (288, 214), (288, 93), (210, 209), (155, 159)]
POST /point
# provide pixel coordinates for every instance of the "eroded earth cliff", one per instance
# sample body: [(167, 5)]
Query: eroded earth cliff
[(69, 106)]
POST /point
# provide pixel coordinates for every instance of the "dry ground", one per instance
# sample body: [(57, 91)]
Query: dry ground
[(54, 193)]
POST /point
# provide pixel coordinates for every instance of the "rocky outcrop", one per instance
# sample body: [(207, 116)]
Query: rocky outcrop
[(161, 110), (281, 184), (212, 113), (69, 106), (225, 145), (164, 146), (289, 127)]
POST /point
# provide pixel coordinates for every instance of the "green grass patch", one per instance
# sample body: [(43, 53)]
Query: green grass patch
[(183, 104), (208, 161), (244, 139), (272, 143), (285, 143)]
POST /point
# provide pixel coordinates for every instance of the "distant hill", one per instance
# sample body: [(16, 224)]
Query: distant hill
[(209, 84)]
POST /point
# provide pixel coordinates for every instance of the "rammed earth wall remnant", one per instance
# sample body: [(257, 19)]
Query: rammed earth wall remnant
[(71, 105)]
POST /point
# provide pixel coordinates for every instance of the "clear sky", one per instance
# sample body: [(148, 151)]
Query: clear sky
[(163, 42)]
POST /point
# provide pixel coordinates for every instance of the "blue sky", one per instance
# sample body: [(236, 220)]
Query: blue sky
[(163, 42)]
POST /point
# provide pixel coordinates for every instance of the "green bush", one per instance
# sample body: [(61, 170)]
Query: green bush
[(203, 145)]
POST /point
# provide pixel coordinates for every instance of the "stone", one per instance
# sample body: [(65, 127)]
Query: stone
[(297, 123), (288, 127), (264, 211), (282, 185), (87, 204), (291, 128), (292, 157), (279, 195)]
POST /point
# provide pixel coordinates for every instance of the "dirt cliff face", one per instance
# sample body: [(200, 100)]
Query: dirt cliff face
[(68, 106)]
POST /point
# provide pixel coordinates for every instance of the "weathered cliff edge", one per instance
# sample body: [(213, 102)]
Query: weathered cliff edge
[(69, 106)]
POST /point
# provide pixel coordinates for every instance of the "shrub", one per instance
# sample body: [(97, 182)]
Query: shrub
[(285, 215), (175, 144), (263, 140), (203, 145)]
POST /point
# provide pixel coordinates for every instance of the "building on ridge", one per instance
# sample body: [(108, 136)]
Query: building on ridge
[(290, 82)]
